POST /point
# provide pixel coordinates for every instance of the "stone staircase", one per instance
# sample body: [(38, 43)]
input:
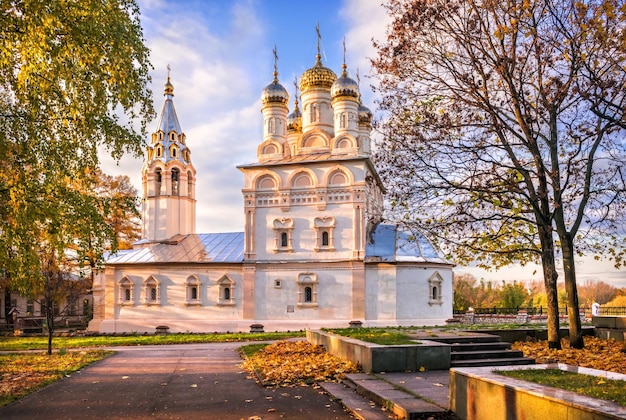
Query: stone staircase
[(483, 350)]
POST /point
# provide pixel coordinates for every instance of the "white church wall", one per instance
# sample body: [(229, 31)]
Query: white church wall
[(380, 294), (303, 235), (414, 300), (331, 293)]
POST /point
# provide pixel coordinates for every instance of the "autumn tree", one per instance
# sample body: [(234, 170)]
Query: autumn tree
[(121, 208), (73, 80), (504, 132), (596, 291), (464, 289), (513, 295)]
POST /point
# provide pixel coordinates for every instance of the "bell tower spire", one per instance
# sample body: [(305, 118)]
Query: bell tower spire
[(168, 177)]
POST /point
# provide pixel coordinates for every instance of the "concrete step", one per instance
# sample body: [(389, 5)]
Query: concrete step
[(485, 354), (496, 345), (469, 338), (396, 400), (362, 408), (492, 362)]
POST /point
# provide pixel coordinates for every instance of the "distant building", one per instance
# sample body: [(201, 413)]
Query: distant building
[(313, 253)]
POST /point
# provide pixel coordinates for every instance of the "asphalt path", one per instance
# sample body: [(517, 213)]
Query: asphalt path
[(191, 381)]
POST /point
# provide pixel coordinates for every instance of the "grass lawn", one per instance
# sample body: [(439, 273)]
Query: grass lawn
[(24, 373), (40, 343), (591, 386), (383, 336)]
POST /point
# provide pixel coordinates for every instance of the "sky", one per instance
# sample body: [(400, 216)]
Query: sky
[(220, 55)]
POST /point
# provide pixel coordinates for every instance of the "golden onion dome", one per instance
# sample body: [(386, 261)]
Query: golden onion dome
[(345, 86), (317, 77), (275, 93), (365, 115), (294, 120)]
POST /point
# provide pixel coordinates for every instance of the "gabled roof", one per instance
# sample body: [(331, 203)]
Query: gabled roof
[(197, 248), (386, 243)]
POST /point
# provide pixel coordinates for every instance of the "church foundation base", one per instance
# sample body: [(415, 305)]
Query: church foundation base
[(140, 326)]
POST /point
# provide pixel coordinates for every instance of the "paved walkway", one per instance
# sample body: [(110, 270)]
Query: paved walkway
[(199, 381)]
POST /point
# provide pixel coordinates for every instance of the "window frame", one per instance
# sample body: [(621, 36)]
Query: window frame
[(152, 292), (193, 283), (307, 284), (435, 283), (226, 291)]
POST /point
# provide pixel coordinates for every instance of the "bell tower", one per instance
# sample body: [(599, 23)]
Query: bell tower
[(168, 178)]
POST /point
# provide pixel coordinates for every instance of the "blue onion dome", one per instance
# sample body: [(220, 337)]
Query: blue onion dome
[(294, 120), (275, 93), (345, 86), (317, 77), (365, 115)]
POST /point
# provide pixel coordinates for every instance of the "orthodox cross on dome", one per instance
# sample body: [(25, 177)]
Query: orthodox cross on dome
[(344, 66), (319, 39), (295, 84), (169, 69), (275, 63)]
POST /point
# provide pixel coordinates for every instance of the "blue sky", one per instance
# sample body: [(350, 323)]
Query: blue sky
[(220, 54)]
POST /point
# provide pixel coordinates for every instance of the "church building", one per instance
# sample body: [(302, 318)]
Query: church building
[(314, 251)]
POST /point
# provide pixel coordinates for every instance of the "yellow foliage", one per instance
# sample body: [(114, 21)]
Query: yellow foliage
[(597, 354), (288, 363)]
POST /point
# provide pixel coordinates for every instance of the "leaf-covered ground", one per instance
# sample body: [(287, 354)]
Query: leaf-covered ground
[(24, 373), (288, 363), (597, 354)]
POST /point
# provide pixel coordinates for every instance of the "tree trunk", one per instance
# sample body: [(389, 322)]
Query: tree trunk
[(49, 312), (550, 279), (575, 329)]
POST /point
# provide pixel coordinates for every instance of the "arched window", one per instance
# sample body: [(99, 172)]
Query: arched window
[(307, 289), (126, 287), (175, 178), (302, 180), (157, 188), (284, 239), (342, 120), (283, 230), (337, 178), (226, 292), (324, 229), (189, 184), (193, 291), (159, 152), (266, 183), (435, 283), (152, 292), (270, 149)]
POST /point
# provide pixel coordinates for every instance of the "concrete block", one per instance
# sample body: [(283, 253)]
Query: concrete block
[(428, 354), (480, 393), (603, 321)]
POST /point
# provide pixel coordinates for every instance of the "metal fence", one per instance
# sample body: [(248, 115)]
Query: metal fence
[(540, 310)]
